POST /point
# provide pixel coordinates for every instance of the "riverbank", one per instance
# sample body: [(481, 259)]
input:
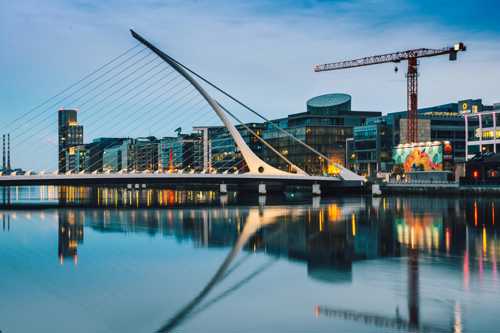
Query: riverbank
[(438, 189)]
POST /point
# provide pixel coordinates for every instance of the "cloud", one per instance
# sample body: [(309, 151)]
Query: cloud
[(261, 51)]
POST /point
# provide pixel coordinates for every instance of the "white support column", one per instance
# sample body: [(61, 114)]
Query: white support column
[(466, 137), (480, 133), (494, 132), (316, 189), (262, 189), (223, 188)]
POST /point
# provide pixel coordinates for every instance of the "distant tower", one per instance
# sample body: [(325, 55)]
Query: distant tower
[(8, 152), (70, 134), (4, 165)]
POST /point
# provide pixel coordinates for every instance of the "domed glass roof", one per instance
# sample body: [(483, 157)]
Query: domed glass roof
[(329, 104), (328, 100)]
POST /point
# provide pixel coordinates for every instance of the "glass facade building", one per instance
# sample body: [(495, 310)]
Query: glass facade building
[(325, 126), (223, 155), (183, 152), (139, 154)]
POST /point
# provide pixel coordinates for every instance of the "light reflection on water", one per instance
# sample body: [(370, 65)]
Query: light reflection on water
[(357, 264)]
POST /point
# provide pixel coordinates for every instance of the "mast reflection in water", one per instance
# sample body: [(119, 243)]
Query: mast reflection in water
[(357, 264)]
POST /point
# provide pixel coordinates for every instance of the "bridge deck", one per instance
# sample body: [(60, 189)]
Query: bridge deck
[(145, 178)]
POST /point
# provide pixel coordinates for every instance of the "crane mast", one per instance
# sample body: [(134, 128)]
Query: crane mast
[(411, 57)]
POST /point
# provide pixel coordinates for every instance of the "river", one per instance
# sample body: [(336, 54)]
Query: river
[(158, 260)]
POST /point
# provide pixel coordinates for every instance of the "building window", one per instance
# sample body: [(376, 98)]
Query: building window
[(473, 149), (473, 128), (493, 173), (487, 120), (487, 148)]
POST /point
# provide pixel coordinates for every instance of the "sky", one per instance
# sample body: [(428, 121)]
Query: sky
[(262, 51)]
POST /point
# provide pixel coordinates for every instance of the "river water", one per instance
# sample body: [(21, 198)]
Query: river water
[(194, 262)]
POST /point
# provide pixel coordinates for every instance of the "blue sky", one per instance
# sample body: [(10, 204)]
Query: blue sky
[(262, 50)]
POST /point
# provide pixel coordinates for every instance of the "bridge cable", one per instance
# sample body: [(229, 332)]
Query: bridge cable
[(158, 105), (49, 116), (76, 83), (49, 108), (259, 138), (249, 108)]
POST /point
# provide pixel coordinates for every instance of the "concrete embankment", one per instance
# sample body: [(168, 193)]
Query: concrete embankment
[(439, 189)]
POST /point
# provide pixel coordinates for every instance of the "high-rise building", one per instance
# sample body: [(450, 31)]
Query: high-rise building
[(70, 134)]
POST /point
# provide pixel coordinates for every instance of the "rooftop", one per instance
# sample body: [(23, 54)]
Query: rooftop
[(328, 100)]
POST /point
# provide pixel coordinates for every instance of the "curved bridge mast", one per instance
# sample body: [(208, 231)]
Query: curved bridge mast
[(254, 163)]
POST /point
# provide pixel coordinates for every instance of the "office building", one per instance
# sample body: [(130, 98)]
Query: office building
[(70, 134), (95, 151), (219, 152), (225, 156), (140, 154), (482, 127), (325, 126), (89, 157), (75, 158), (369, 151), (182, 152)]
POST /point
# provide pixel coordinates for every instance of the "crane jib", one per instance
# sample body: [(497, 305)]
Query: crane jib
[(392, 57)]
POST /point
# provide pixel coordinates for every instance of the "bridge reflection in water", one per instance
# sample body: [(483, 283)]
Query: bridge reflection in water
[(329, 239)]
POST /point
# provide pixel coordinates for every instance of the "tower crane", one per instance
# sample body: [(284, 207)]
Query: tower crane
[(412, 74)]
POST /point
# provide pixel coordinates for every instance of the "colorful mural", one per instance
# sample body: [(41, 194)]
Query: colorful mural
[(428, 157)]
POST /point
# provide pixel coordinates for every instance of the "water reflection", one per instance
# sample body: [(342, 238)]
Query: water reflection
[(101, 196), (432, 239), (70, 234)]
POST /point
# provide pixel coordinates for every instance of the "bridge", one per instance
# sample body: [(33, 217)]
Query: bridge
[(221, 182), (253, 172)]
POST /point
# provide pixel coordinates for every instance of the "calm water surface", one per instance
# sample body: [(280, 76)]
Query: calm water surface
[(357, 264)]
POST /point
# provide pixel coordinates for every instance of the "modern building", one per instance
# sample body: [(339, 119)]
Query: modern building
[(219, 150), (482, 127), (112, 159), (70, 134), (373, 142), (181, 152), (140, 154), (325, 126), (75, 158), (95, 151), (89, 157), (370, 147), (225, 156)]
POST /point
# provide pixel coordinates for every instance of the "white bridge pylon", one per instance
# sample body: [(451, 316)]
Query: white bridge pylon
[(255, 164)]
